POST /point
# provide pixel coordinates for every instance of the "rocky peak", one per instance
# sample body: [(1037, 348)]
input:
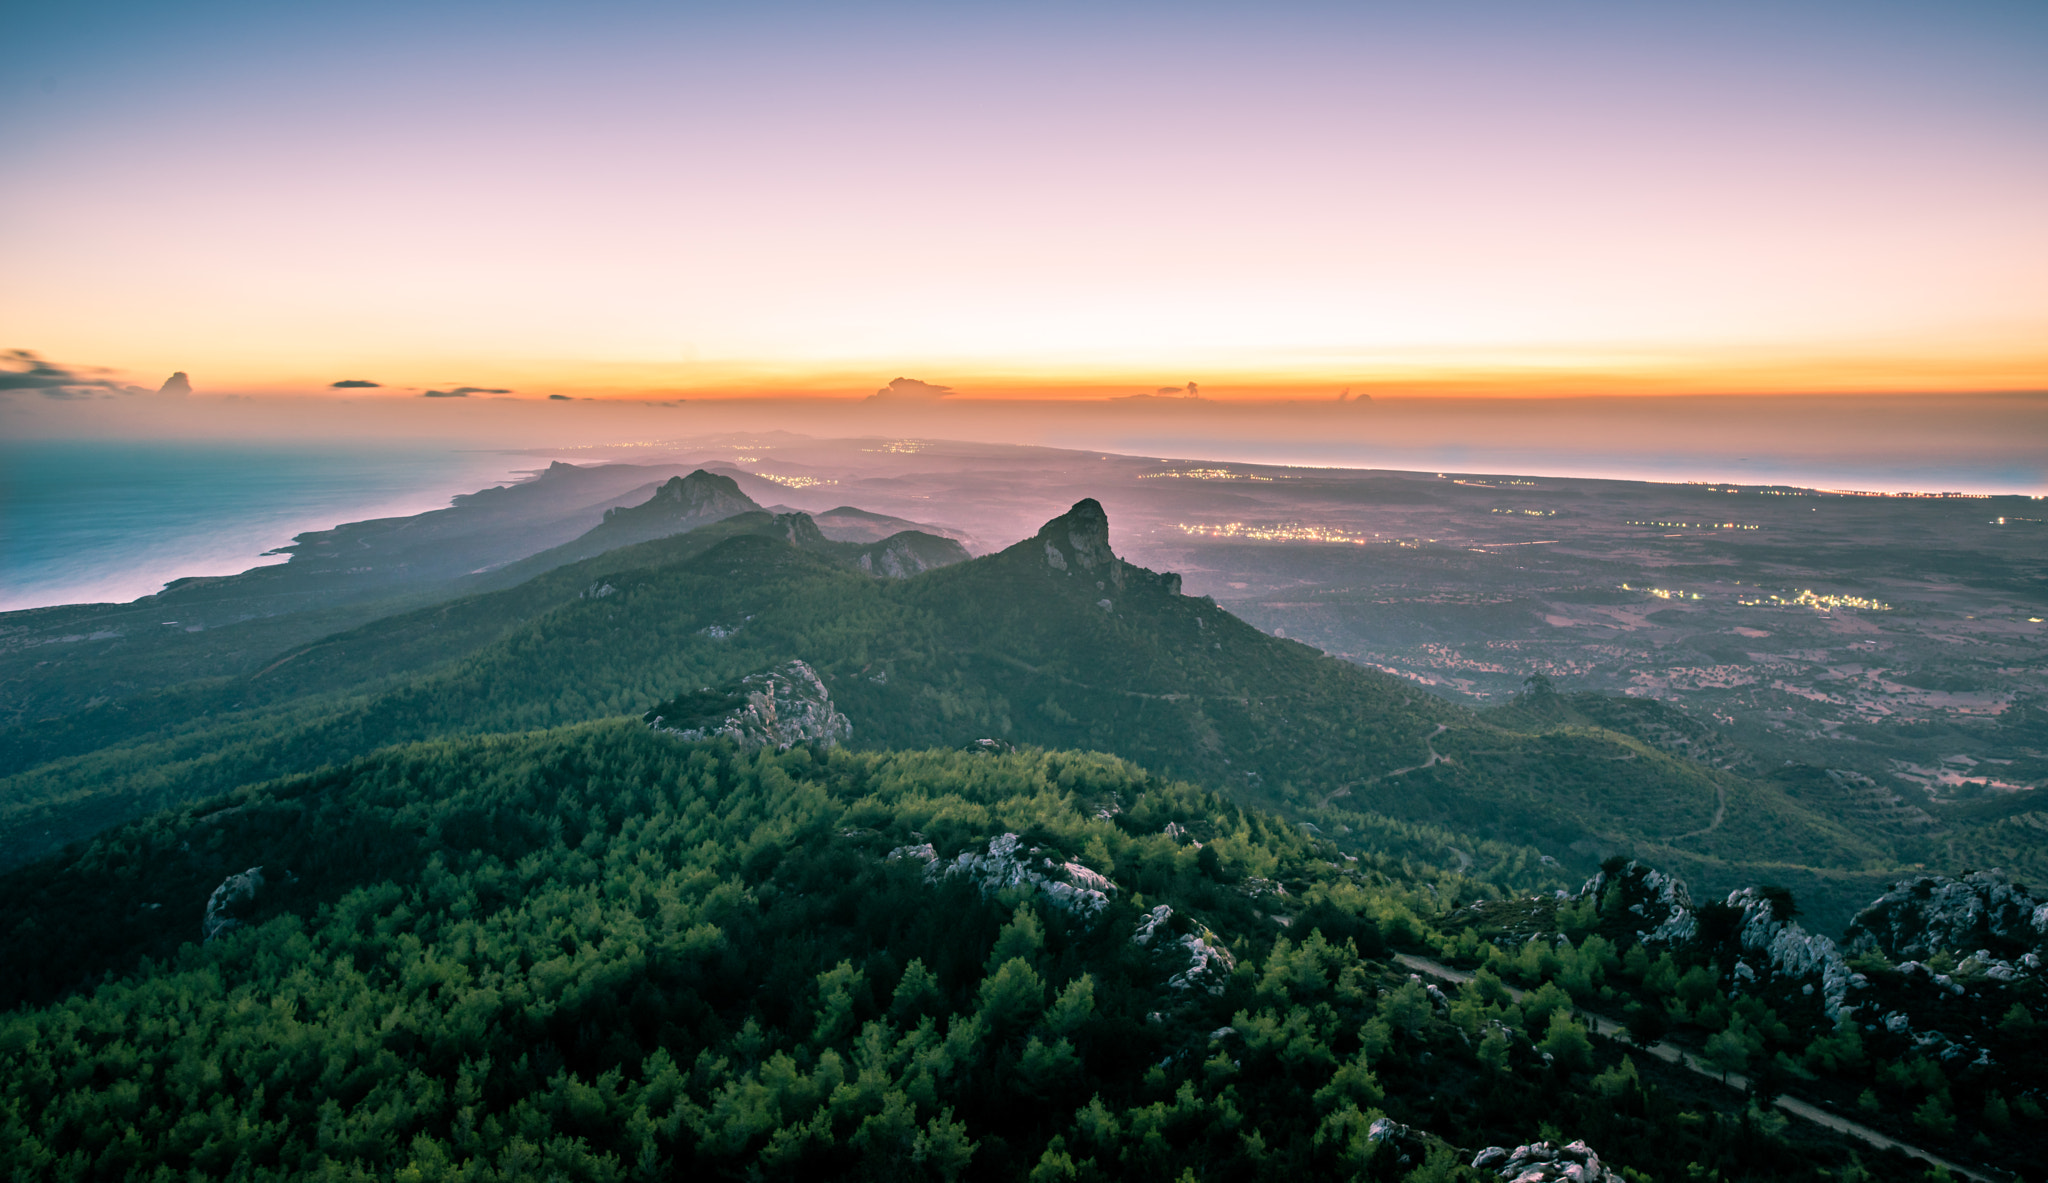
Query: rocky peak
[(1079, 538), (701, 496), (776, 708), (701, 490)]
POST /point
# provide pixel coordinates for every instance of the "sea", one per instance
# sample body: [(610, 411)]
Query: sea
[(108, 521)]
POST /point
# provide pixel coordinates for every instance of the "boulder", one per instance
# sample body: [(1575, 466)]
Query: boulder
[(231, 903), (1405, 1145)]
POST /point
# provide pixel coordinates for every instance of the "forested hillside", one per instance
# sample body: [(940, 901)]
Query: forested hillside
[(598, 953)]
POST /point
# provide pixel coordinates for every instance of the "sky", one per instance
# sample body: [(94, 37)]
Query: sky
[(1027, 201)]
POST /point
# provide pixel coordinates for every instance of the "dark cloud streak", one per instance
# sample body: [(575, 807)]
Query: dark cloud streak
[(463, 392), (354, 384), (22, 369)]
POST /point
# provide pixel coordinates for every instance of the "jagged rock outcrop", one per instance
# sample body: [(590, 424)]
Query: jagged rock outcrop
[(1209, 964), (1545, 1162), (1078, 540), (1067, 885), (230, 904), (1931, 914), (1784, 949), (910, 553), (1771, 945), (777, 708), (1660, 907), (1405, 1145), (1076, 545)]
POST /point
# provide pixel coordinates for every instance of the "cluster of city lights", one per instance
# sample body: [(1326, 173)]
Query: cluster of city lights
[(1935, 496), (746, 460), (1284, 532), (1530, 513), (1817, 601), (903, 447), (1698, 525), (794, 482), (1663, 593), (1492, 484), (1202, 474)]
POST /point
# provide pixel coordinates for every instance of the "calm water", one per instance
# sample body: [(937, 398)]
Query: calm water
[(100, 520)]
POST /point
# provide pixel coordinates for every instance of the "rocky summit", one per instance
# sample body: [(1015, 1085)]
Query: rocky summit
[(700, 497), (1078, 540), (776, 709)]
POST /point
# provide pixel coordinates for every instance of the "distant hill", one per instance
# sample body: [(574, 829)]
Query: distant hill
[(681, 505), (848, 524)]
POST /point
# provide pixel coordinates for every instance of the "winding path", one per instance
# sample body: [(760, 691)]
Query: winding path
[(1435, 758), (1671, 1053), (1720, 812)]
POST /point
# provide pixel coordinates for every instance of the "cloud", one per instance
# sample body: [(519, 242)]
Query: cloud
[(22, 369), (910, 390), (463, 392), (560, 398), (354, 384), (176, 386)]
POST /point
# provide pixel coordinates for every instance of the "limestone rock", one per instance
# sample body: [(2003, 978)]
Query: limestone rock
[(1005, 862), (1545, 1162), (1929, 914), (1788, 950), (1660, 907), (1209, 964), (777, 708)]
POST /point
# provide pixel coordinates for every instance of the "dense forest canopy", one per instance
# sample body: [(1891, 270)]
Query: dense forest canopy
[(600, 953)]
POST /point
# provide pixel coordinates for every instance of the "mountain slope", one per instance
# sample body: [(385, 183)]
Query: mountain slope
[(1054, 642), (364, 659)]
